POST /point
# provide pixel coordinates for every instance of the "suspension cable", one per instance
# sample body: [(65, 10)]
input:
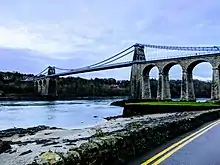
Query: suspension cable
[(183, 48), (62, 69), (117, 58), (106, 61), (42, 71), (111, 57)]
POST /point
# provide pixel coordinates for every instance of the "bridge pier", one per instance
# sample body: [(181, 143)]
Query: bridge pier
[(136, 82), (190, 88), (146, 92), (215, 93), (159, 86), (47, 87), (165, 87), (183, 96), (187, 87)]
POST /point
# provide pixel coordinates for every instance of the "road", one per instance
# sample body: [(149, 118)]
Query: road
[(200, 147)]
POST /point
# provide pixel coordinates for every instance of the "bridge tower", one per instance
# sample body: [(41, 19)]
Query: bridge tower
[(136, 73), (47, 87)]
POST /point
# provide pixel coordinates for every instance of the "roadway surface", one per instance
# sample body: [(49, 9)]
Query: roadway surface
[(199, 147)]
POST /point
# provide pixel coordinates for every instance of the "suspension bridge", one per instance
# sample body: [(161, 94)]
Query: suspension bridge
[(163, 57)]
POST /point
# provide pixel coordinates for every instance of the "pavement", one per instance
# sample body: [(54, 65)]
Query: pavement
[(199, 147)]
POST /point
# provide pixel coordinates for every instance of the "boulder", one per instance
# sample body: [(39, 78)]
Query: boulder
[(4, 146), (49, 158), (72, 157)]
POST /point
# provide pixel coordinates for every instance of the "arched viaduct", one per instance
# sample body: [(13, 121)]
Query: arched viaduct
[(140, 81)]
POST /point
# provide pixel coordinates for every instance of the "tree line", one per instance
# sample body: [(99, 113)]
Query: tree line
[(78, 87)]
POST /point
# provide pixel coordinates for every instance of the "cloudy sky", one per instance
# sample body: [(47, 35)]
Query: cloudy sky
[(71, 33)]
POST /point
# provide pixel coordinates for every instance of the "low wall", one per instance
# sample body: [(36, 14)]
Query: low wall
[(120, 147), (134, 110)]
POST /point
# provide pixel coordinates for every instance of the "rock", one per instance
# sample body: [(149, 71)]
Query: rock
[(50, 143), (21, 132), (11, 152), (72, 157), (4, 146), (113, 117), (49, 158), (26, 152), (89, 152)]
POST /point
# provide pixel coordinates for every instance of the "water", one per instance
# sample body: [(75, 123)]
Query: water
[(64, 114)]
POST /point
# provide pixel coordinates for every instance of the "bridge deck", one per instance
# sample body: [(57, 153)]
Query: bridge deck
[(120, 65)]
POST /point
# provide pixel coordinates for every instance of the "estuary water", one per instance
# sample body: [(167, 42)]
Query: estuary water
[(65, 114)]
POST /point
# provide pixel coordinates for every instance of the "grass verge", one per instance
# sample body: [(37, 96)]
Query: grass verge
[(176, 103)]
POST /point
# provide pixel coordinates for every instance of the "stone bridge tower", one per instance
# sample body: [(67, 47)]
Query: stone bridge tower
[(47, 87), (136, 72)]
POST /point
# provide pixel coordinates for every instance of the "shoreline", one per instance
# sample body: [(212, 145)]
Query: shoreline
[(22, 131), (111, 141), (60, 98)]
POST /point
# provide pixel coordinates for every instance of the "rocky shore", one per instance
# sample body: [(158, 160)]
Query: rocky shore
[(22, 132), (113, 142)]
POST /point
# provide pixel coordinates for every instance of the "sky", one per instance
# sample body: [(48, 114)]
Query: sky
[(71, 33)]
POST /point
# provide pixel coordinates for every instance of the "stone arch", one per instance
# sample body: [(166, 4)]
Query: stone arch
[(146, 86), (194, 63), (188, 84), (148, 68), (168, 66), (166, 91)]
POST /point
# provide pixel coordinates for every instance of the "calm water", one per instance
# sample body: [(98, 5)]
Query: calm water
[(65, 114)]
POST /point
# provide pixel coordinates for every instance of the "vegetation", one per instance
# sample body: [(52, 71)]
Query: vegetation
[(99, 133), (94, 87), (202, 88), (176, 103), (78, 87)]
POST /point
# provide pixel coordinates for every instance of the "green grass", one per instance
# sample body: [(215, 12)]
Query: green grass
[(176, 103)]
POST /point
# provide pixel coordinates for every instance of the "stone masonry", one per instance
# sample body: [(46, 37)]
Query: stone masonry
[(47, 86), (140, 81)]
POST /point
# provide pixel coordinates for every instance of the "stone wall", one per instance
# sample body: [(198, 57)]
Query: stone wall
[(140, 75), (120, 147), (134, 110)]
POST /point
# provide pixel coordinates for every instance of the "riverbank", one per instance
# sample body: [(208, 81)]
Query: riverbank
[(59, 98), (112, 142), (143, 107)]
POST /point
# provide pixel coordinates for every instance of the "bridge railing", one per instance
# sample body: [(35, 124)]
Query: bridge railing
[(179, 56)]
